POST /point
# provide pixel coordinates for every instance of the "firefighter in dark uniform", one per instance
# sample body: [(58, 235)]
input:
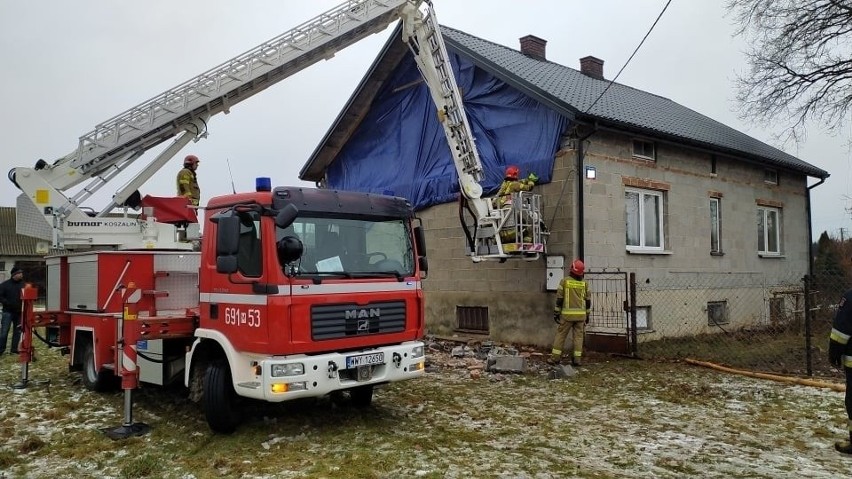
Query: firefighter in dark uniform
[(840, 354), (571, 313), (187, 181)]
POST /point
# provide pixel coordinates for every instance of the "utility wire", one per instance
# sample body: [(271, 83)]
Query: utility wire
[(631, 56), (561, 193)]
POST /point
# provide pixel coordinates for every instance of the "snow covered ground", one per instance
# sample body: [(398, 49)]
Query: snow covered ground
[(617, 418)]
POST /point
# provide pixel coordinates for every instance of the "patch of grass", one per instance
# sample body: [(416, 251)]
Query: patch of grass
[(8, 459), (146, 465), (30, 444)]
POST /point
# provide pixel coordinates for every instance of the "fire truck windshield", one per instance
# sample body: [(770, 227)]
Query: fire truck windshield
[(352, 247)]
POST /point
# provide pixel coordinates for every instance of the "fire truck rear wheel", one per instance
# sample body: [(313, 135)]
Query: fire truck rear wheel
[(362, 396), (94, 379), (220, 399)]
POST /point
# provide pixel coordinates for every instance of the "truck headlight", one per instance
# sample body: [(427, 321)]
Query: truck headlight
[(287, 369), (417, 352)]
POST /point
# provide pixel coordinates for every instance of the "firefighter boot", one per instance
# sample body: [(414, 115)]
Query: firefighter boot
[(844, 446), (576, 361)]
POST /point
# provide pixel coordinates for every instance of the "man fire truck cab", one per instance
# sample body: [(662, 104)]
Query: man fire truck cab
[(296, 292)]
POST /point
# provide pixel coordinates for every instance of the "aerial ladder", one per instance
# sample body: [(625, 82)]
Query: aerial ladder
[(48, 210)]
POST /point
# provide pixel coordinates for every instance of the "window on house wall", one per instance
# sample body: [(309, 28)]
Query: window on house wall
[(472, 318), (717, 313), (713, 164), (715, 226), (643, 149), (768, 231), (643, 318), (770, 176), (644, 211)]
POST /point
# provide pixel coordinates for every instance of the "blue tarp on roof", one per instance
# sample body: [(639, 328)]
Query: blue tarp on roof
[(400, 148)]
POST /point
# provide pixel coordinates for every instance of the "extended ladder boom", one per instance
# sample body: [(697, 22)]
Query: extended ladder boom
[(502, 229), (44, 211), (180, 112)]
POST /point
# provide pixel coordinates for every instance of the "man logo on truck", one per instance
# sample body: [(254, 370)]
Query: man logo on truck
[(363, 313)]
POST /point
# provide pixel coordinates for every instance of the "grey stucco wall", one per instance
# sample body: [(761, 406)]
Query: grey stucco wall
[(688, 174), (515, 292), (519, 307)]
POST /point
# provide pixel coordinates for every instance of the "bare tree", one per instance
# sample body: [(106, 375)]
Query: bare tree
[(800, 59)]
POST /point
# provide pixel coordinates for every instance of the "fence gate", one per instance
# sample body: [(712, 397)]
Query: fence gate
[(612, 320)]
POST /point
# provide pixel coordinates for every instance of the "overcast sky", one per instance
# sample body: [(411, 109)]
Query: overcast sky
[(69, 65)]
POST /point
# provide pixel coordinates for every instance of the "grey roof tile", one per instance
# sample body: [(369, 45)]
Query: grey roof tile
[(572, 93)]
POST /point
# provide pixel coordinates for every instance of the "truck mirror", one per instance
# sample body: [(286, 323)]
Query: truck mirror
[(424, 265), (226, 264), (289, 249), (286, 216), (420, 240), (227, 235)]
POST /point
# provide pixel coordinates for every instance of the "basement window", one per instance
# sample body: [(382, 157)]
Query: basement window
[(643, 318), (717, 313), (472, 319)]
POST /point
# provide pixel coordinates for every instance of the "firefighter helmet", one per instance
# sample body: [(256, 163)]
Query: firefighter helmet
[(512, 172), (578, 268), (190, 160)]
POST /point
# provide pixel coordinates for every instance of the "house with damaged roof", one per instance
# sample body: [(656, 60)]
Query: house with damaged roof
[(632, 182)]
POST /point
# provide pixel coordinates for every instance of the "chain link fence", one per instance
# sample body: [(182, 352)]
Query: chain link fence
[(752, 321)]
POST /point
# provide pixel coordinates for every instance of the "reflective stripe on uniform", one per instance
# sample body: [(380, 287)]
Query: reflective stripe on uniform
[(839, 337), (846, 361), (574, 302)]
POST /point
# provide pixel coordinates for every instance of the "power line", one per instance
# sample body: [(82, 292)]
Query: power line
[(631, 56)]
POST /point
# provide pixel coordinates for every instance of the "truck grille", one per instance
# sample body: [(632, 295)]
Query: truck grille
[(333, 321)]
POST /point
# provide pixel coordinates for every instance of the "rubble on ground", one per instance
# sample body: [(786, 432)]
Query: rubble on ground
[(483, 358)]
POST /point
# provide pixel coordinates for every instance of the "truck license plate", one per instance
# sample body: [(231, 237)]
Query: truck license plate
[(364, 360)]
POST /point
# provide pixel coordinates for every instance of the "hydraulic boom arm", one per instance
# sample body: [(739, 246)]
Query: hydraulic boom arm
[(181, 114)]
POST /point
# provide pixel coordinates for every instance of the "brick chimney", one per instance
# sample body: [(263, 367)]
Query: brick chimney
[(533, 47), (592, 67)]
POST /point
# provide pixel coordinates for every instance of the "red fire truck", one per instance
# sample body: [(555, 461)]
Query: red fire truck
[(296, 292)]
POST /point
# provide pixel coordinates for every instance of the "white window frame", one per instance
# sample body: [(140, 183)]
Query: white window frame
[(642, 246), (646, 143), (716, 225), (763, 235)]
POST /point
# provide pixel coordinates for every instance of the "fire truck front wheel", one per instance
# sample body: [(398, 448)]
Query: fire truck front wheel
[(220, 399)]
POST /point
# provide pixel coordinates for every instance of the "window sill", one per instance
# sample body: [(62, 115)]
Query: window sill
[(771, 256), (649, 251), (717, 253)]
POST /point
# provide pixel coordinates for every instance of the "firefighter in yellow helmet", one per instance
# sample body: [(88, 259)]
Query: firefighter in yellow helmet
[(571, 313), (187, 182)]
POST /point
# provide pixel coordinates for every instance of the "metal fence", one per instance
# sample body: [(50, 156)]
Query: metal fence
[(744, 320)]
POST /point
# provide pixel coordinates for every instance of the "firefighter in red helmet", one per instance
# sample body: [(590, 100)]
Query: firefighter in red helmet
[(512, 184), (187, 181), (571, 313)]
